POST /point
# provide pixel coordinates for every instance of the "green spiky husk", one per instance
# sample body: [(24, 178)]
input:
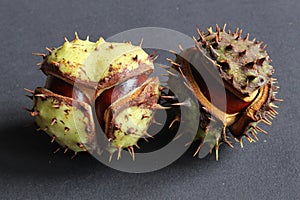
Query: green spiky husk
[(67, 121), (92, 68)]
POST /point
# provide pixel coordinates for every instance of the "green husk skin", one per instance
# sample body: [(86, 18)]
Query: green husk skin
[(100, 65), (128, 122), (56, 116)]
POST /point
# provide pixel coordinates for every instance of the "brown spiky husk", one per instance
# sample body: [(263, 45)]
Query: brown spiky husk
[(244, 68)]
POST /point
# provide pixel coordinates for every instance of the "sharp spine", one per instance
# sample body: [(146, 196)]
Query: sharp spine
[(54, 121), (49, 50), (176, 119), (28, 90), (40, 54), (66, 149), (75, 154), (53, 138), (59, 148), (66, 39), (76, 36)]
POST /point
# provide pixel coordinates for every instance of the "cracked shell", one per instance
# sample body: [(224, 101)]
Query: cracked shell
[(241, 68), (81, 73)]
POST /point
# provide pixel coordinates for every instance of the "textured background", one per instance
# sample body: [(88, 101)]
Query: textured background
[(268, 169)]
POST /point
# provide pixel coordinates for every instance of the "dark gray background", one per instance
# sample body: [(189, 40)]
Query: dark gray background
[(268, 169)]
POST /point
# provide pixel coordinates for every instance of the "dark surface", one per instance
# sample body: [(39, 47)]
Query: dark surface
[(268, 169)]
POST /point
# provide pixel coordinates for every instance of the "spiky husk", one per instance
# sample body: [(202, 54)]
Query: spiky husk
[(243, 67), (242, 63), (93, 68), (55, 114), (98, 65), (128, 118)]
